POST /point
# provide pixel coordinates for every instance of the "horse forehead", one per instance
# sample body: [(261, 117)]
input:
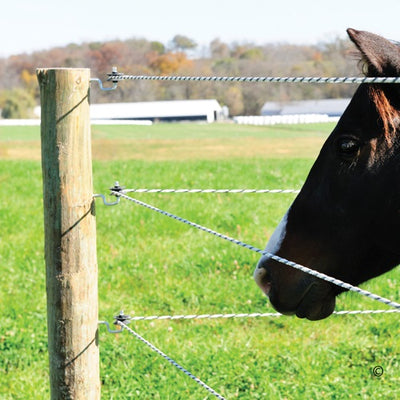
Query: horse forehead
[(360, 119), (359, 107)]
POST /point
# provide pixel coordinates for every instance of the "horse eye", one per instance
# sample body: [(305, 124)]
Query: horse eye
[(348, 147)]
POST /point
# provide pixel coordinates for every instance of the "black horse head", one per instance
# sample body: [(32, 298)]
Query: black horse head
[(345, 222)]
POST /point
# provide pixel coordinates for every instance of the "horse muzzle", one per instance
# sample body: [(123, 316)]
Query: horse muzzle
[(293, 292)]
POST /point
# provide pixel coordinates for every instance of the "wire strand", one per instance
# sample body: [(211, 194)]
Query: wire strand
[(247, 315), (170, 360), (242, 191), (258, 79)]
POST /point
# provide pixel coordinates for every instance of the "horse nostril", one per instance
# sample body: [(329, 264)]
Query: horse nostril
[(263, 279)]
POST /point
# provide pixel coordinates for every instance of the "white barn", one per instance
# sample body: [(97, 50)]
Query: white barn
[(330, 107), (173, 110)]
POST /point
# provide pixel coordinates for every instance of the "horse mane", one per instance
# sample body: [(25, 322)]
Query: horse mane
[(388, 113), (383, 97)]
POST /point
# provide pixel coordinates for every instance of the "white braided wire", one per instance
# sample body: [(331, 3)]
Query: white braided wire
[(265, 79), (282, 260), (244, 191), (170, 360), (247, 315)]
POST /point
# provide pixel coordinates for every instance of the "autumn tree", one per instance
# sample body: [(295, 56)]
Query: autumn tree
[(170, 63), (219, 50), (182, 43), (233, 98), (29, 82), (16, 103), (157, 47)]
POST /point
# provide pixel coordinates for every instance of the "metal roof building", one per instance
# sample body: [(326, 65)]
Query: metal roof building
[(330, 107), (174, 110)]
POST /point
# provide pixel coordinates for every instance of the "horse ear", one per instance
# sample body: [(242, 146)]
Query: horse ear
[(382, 55)]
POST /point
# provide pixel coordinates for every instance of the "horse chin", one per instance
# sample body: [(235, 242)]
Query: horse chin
[(315, 311), (314, 303)]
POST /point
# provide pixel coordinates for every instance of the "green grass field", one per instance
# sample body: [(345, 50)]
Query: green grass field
[(151, 265)]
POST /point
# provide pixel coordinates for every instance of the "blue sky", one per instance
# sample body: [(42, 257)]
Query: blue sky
[(28, 25)]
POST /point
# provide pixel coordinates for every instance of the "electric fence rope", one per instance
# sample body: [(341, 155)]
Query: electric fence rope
[(282, 260), (116, 77), (169, 359), (244, 191), (247, 315), (233, 316)]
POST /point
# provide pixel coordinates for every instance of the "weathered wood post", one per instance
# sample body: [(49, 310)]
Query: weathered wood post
[(70, 234)]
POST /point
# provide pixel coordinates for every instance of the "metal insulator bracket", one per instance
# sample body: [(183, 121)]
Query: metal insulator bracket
[(117, 188), (109, 328), (104, 89), (113, 74), (121, 317), (105, 202)]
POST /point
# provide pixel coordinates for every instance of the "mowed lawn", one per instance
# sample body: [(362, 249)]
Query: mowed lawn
[(152, 265)]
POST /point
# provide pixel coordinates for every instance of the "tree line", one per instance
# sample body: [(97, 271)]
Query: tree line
[(182, 56)]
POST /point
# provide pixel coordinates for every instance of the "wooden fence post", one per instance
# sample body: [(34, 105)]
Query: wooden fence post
[(70, 234)]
